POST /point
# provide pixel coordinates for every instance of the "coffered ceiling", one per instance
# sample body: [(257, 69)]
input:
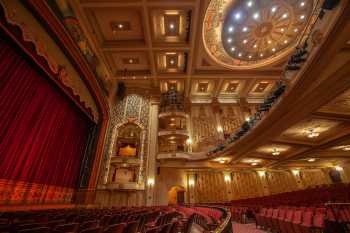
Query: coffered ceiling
[(152, 43)]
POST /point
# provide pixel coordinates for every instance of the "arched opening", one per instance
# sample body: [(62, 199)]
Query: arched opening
[(176, 195)]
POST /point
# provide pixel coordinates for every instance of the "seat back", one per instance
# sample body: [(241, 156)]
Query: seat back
[(92, 230), (70, 227), (131, 227), (116, 228), (297, 217), (36, 230)]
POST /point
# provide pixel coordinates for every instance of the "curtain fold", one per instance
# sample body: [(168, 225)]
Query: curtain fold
[(43, 135)]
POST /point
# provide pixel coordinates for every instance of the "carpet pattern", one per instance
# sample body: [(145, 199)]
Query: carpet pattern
[(245, 228)]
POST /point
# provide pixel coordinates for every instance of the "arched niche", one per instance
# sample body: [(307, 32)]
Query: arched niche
[(176, 195)]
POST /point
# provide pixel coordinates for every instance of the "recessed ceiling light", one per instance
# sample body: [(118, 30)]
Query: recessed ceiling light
[(273, 9), (250, 3), (250, 56), (229, 40), (255, 45), (261, 54), (230, 29), (302, 4), (285, 15), (302, 16), (245, 29), (233, 48), (285, 41), (245, 41), (240, 54), (273, 50), (256, 15), (269, 41), (237, 15)]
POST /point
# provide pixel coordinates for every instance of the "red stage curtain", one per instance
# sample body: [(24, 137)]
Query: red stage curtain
[(43, 135)]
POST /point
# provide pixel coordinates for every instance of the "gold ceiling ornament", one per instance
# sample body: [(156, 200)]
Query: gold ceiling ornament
[(241, 34)]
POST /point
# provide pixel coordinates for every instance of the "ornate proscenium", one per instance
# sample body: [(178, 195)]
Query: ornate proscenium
[(244, 34)]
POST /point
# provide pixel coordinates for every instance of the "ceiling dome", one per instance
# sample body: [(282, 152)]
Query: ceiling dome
[(253, 33)]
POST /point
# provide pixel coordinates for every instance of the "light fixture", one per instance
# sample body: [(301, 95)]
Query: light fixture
[(250, 56), (338, 168), (254, 46), (250, 3), (131, 61), (273, 9), (229, 40), (273, 50), (346, 148), (245, 41), (282, 29), (233, 49), (261, 54), (120, 26), (295, 172), (311, 160), (247, 119), (244, 29), (285, 41), (237, 15), (219, 129), (150, 182), (227, 178), (269, 41), (240, 54), (221, 161), (171, 26), (311, 133), (302, 17), (172, 119), (295, 29), (261, 173), (256, 15), (254, 164), (230, 29), (172, 62), (285, 15), (189, 141), (302, 4), (191, 182), (275, 151)]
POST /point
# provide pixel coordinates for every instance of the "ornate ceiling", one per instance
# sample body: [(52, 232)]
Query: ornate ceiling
[(254, 33)]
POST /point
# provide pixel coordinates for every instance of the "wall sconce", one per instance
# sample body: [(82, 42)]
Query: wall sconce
[(295, 172), (227, 178), (191, 182), (189, 141), (338, 168), (261, 173), (220, 129), (150, 182)]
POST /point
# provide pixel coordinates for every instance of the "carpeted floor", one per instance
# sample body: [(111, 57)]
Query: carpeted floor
[(245, 228)]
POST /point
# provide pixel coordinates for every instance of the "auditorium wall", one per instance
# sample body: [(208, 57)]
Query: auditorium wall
[(209, 186)]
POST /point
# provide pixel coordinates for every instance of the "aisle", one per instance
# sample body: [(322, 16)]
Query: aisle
[(245, 228)]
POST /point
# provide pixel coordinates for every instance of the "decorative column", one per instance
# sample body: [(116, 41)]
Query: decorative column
[(152, 151)]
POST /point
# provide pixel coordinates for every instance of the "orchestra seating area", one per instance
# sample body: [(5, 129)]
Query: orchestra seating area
[(320, 208), (162, 219)]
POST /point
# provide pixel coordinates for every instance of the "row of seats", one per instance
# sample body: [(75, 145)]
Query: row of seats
[(125, 220), (312, 196), (304, 219)]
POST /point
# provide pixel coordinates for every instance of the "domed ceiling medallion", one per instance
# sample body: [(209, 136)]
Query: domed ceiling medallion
[(244, 34)]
